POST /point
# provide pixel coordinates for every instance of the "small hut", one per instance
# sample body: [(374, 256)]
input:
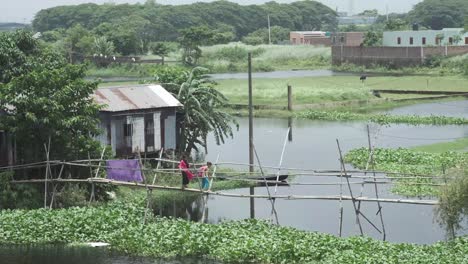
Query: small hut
[(137, 118)]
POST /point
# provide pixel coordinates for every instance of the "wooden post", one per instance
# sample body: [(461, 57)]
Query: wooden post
[(251, 154), (289, 98), (350, 189), (372, 162)]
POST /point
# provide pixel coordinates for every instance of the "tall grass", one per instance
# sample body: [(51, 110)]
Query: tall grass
[(233, 57)]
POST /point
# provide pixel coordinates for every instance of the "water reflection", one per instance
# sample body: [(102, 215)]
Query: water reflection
[(57, 254), (314, 147)]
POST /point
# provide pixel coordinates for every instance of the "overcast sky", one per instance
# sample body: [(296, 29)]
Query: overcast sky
[(24, 10)]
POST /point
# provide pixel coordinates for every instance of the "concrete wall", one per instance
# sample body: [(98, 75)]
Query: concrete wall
[(391, 56), (348, 38), (390, 38)]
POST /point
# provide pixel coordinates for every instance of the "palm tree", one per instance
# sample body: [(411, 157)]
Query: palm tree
[(201, 113)]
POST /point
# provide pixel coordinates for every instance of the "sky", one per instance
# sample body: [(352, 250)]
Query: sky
[(23, 11)]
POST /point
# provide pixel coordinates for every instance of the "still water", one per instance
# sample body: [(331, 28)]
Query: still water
[(313, 146)]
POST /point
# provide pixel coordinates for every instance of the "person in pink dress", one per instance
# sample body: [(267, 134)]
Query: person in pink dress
[(203, 173), (184, 168)]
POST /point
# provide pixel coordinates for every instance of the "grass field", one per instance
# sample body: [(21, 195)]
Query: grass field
[(312, 90), (233, 57)]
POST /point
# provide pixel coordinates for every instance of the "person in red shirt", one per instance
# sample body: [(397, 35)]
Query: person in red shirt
[(187, 175), (203, 173)]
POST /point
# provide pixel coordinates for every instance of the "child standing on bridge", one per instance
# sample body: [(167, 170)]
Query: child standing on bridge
[(203, 173)]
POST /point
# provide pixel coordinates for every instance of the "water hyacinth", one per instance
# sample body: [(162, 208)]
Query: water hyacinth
[(253, 241), (410, 162), (383, 119)]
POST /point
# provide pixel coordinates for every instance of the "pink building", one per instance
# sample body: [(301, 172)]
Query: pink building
[(319, 38)]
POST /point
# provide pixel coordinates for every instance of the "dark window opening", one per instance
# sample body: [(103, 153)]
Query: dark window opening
[(411, 41), (149, 135), (399, 41), (466, 40), (109, 135), (450, 40), (128, 130), (424, 41)]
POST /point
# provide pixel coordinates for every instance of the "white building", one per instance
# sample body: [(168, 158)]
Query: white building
[(137, 118), (446, 36)]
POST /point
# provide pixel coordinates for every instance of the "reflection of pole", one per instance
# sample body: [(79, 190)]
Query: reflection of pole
[(251, 153), (290, 123), (289, 98)]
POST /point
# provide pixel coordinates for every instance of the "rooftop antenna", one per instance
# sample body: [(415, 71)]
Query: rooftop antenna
[(386, 9)]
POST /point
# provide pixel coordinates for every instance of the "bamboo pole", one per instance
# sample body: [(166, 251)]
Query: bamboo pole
[(150, 194), (379, 206), (286, 197), (47, 150), (341, 201), (350, 190), (273, 209), (55, 188)]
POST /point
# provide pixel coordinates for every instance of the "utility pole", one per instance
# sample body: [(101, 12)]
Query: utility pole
[(269, 31), (251, 148)]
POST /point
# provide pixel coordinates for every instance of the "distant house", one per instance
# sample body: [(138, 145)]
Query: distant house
[(446, 36), (318, 38), (347, 38), (137, 118)]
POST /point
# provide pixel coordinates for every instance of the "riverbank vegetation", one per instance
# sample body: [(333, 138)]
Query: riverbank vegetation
[(411, 163), (255, 241), (383, 119), (232, 57)]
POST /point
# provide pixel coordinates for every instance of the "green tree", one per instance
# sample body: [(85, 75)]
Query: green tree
[(438, 14), (395, 24), (190, 40), (201, 112), (369, 13), (372, 38), (457, 39), (78, 42), (44, 97), (278, 35), (160, 48), (152, 22), (103, 47)]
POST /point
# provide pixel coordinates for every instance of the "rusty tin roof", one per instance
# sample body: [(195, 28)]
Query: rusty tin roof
[(134, 97)]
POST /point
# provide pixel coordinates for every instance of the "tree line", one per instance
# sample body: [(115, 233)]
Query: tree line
[(132, 28)]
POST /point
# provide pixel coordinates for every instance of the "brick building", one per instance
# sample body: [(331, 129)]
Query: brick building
[(317, 38)]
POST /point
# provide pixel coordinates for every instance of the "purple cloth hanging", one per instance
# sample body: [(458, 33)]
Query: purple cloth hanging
[(124, 170)]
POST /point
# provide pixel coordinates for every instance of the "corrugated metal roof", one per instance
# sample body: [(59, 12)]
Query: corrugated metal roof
[(134, 97)]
